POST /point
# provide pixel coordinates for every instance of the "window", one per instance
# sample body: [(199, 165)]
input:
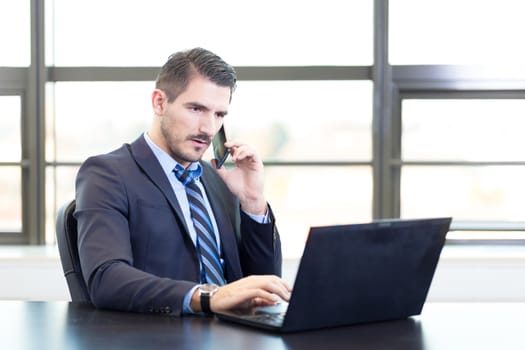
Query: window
[(466, 32), (10, 131), (10, 166), (282, 127), (464, 159), (269, 33), (14, 33), (80, 128), (285, 117), (77, 129), (299, 121), (313, 96)]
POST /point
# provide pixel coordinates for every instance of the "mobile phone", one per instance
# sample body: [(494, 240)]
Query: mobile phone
[(220, 152)]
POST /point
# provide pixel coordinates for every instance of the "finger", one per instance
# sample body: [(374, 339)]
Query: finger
[(278, 281), (250, 158), (272, 284), (242, 297), (282, 290), (222, 171), (233, 144), (243, 150), (261, 302), (238, 152), (262, 296)]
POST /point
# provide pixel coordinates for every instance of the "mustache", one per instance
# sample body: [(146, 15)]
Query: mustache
[(201, 137)]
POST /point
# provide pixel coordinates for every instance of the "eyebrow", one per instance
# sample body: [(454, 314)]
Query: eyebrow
[(201, 106), (196, 105)]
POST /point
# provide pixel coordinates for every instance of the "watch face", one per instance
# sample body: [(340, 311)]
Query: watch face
[(208, 288)]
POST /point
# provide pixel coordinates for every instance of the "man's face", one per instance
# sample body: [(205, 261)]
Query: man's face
[(188, 124)]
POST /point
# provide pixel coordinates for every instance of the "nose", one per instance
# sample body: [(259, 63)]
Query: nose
[(209, 124)]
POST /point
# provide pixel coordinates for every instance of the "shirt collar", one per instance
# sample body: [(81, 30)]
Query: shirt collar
[(166, 162)]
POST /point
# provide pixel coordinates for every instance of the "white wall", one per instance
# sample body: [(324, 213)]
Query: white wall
[(31, 273), (463, 274)]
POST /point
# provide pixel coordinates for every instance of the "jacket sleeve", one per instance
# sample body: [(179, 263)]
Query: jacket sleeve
[(260, 247), (105, 249)]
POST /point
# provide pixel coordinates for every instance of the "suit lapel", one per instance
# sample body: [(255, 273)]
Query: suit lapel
[(147, 161)]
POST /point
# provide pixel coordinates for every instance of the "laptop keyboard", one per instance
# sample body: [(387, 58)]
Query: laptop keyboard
[(274, 319)]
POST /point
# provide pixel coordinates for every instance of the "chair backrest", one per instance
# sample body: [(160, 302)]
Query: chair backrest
[(66, 231)]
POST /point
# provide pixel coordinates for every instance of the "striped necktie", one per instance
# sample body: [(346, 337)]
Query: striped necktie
[(206, 242)]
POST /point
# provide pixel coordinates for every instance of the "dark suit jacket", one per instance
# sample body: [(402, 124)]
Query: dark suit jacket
[(134, 247)]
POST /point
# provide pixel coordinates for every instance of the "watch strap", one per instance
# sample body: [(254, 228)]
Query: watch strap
[(205, 303), (205, 293)]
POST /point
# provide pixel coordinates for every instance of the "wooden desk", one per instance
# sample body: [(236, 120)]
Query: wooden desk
[(443, 326)]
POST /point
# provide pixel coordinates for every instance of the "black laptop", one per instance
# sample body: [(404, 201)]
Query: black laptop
[(360, 273)]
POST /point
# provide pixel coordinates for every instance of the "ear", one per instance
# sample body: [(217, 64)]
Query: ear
[(158, 101)]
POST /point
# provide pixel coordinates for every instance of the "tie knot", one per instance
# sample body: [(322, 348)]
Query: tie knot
[(186, 176)]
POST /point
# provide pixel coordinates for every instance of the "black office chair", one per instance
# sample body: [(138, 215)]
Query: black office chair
[(66, 231)]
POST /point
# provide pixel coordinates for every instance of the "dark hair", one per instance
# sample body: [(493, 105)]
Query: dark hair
[(176, 73)]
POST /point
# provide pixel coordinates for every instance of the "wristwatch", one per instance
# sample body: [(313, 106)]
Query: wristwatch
[(205, 292)]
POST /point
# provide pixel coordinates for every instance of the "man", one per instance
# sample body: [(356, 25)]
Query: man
[(141, 244)]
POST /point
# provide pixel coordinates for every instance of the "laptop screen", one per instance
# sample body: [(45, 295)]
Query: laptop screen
[(361, 273)]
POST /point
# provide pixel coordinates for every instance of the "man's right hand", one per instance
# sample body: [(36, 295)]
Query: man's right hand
[(256, 290)]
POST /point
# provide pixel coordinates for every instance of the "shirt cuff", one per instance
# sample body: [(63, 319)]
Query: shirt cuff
[(261, 219), (186, 308)]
